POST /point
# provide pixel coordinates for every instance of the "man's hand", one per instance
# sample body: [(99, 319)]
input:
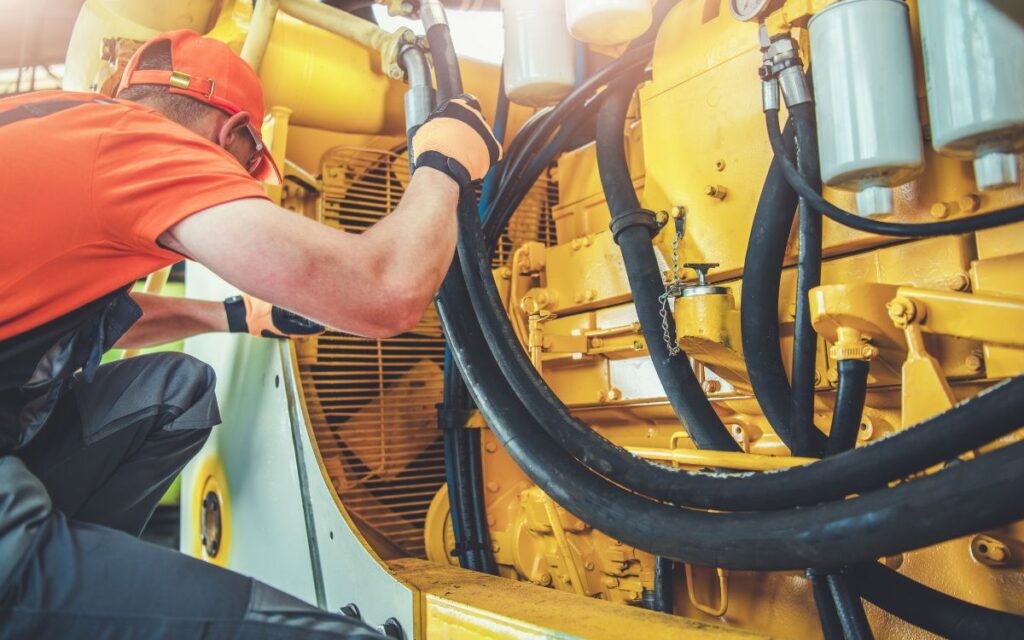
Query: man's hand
[(456, 141), (246, 314)]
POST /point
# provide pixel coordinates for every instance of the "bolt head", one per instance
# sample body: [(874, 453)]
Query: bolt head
[(974, 362), (969, 203), (940, 210)]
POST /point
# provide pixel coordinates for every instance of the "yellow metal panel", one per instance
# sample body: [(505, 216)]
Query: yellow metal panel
[(463, 605)]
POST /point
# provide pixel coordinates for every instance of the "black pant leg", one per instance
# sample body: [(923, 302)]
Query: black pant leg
[(74, 580), (115, 444)]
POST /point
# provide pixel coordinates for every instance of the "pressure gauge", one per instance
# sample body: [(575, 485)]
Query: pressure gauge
[(747, 10)]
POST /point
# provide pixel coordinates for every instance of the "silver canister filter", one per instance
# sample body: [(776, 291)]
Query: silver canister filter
[(869, 129), (973, 60)]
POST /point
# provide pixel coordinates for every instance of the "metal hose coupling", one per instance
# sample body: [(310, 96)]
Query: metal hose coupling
[(431, 13), (783, 68)]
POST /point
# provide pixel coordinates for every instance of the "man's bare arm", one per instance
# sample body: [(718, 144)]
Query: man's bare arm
[(166, 319), (376, 284)]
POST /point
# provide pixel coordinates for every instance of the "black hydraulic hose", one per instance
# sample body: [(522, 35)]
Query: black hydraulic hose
[(929, 609), (759, 320), (978, 421), (446, 63), (831, 628), (849, 608), (472, 544), (882, 522), (850, 395), (519, 181), (805, 338), (681, 386), (478, 506), (637, 52), (960, 499), (660, 597), (846, 416), (871, 225)]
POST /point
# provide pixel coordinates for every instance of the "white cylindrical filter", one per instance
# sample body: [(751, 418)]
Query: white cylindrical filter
[(974, 57), (540, 55), (869, 130), (607, 22)]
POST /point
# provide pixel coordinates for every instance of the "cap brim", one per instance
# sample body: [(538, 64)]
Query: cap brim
[(267, 172)]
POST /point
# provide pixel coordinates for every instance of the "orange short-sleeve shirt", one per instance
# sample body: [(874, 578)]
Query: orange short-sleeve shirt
[(84, 195)]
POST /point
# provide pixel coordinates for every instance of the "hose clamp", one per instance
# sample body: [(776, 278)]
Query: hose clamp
[(635, 218)]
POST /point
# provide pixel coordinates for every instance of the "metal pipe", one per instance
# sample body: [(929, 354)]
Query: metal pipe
[(260, 26), (720, 459), (354, 28)]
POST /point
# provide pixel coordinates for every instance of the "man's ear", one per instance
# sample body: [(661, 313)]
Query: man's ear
[(229, 130)]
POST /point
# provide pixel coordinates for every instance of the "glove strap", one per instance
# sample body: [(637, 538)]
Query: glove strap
[(451, 168), (234, 307)]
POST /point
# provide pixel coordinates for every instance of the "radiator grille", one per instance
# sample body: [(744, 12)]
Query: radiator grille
[(372, 402)]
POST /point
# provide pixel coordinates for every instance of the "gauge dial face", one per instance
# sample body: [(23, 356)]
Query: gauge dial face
[(748, 9)]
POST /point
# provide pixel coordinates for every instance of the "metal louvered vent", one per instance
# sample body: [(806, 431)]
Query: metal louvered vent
[(372, 402)]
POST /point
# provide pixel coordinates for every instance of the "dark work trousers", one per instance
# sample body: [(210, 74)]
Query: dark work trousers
[(73, 502)]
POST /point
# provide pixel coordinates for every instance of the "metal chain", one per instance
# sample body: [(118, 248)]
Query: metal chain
[(672, 290)]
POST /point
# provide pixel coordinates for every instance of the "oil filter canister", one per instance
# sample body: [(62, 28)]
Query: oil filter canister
[(540, 58), (974, 58), (869, 130)]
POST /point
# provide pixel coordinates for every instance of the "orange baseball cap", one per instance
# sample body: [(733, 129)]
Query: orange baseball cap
[(209, 71)]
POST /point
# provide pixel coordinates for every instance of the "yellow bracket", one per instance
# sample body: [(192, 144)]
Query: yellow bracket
[(986, 318)]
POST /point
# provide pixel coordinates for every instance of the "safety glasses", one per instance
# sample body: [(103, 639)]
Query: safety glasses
[(256, 158)]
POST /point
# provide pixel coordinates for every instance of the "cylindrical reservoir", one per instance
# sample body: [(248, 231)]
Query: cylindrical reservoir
[(607, 22), (974, 57), (540, 60), (869, 131)]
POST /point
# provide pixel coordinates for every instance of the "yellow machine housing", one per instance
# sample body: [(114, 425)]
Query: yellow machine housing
[(938, 319)]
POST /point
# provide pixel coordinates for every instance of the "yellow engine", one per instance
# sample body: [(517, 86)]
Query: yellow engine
[(891, 324)]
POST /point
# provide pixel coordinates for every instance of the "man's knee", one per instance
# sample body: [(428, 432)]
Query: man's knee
[(174, 389), (186, 386)]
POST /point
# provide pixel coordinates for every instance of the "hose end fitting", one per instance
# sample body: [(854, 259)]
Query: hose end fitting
[(770, 100), (782, 64), (432, 13)]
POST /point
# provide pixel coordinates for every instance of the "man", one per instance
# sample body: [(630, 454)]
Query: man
[(97, 193)]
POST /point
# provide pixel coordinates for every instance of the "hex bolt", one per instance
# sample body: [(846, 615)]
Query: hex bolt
[(941, 210), (352, 611), (711, 386), (392, 629), (493, 487), (969, 203), (960, 282), (974, 362), (677, 211), (716, 191)]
